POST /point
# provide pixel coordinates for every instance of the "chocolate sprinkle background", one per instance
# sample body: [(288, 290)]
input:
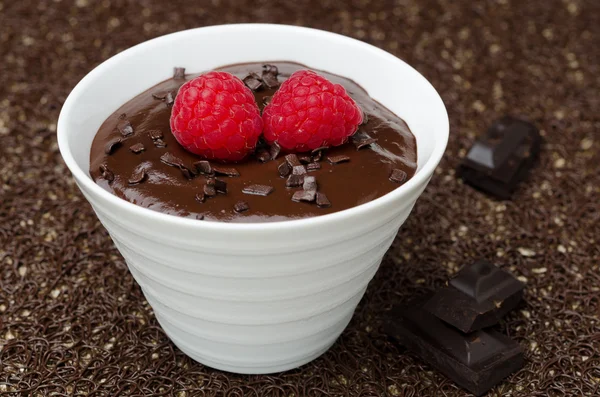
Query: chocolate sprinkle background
[(73, 321)]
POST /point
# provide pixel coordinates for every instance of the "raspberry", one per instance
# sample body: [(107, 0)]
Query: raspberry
[(215, 116), (309, 111)]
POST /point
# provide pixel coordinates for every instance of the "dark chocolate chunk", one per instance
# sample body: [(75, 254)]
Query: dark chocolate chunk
[(137, 177), (200, 197), (112, 145), (313, 166), (203, 167), (137, 148), (155, 134), (266, 100), (241, 206), (253, 81), (502, 158), (226, 171), (478, 297), (274, 150), (106, 173), (284, 169), (169, 159), (310, 183), (209, 190), (475, 361), (305, 159), (338, 159), (160, 143), (125, 128), (299, 170), (187, 173), (263, 155), (220, 186), (294, 181), (304, 195), (319, 150), (178, 73), (292, 160), (258, 190), (362, 139), (322, 200), (317, 154), (269, 76), (169, 100), (159, 95), (398, 176)]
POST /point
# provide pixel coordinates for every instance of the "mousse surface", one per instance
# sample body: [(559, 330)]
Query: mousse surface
[(126, 156)]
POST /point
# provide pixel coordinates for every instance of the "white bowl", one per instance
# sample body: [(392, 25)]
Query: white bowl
[(253, 298)]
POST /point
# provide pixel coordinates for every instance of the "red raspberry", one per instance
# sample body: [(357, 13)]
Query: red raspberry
[(309, 111), (215, 116)]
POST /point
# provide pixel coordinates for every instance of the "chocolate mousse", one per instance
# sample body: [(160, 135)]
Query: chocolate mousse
[(135, 156)]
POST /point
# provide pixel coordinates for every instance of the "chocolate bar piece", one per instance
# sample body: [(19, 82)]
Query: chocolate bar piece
[(475, 361), (502, 158), (477, 297)]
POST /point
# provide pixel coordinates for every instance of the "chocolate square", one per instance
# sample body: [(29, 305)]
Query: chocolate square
[(501, 158)]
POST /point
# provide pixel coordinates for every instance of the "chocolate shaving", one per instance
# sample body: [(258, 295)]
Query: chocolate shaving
[(169, 100), (274, 150), (299, 170), (106, 173), (200, 197), (253, 81), (122, 116), (203, 167), (313, 166), (137, 177), (112, 145), (125, 128), (362, 139), (284, 169), (160, 143), (200, 217), (241, 206), (310, 183), (258, 190), (209, 190), (294, 181), (178, 73), (319, 150), (305, 159), (137, 148), (169, 159), (263, 155), (226, 171), (269, 76), (159, 95), (398, 176), (322, 200), (220, 186), (292, 160), (338, 159), (266, 100), (317, 153), (155, 134), (304, 195)]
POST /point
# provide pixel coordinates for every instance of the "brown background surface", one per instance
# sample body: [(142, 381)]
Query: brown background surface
[(72, 320)]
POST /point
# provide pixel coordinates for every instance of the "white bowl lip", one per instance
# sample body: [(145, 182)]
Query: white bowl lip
[(419, 179)]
